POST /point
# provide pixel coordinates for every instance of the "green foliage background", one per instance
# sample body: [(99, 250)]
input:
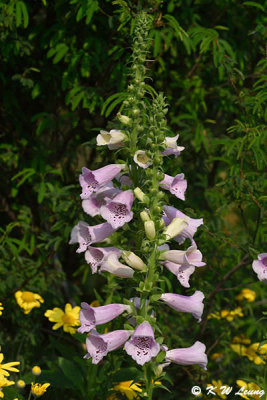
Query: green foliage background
[(61, 63)]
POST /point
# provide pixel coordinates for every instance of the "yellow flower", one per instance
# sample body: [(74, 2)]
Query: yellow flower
[(249, 386), (20, 384), (217, 356), (246, 294), (38, 389), (230, 315), (218, 384), (67, 319), (1, 308), (239, 349), (252, 351), (128, 388), (28, 300), (4, 383), (36, 370), (241, 339), (4, 368)]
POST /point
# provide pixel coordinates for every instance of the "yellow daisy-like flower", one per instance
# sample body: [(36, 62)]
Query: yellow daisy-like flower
[(249, 386), (36, 370), (28, 300), (246, 294), (243, 339), (67, 319), (38, 389), (1, 308), (4, 368), (252, 351), (128, 388), (218, 384), (4, 383)]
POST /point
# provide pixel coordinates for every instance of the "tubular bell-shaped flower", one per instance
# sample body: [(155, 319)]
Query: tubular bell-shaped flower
[(191, 304), (260, 267), (85, 234), (91, 181), (142, 159), (171, 146), (98, 346), (112, 265), (96, 255), (191, 256), (189, 230), (189, 355), (92, 205), (90, 317), (142, 346), (176, 185), (113, 139), (182, 272), (118, 210)]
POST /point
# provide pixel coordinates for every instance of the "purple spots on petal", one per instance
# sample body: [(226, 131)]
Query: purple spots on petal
[(143, 346), (264, 262)]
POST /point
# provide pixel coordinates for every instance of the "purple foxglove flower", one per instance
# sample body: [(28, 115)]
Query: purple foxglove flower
[(182, 272), (91, 181), (114, 139), (142, 346), (189, 231), (112, 265), (142, 159), (191, 304), (172, 148), (85, 234), (191, 256), (176, 185), (189, 355), (118, 210), (90, 317), (96, 255), (98, 346), (92, 205), (260, 267)]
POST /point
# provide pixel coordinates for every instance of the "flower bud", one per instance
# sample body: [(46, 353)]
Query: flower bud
[(123, 119), (144, 216), (175, 227), (150, 229), (36, 370), (133, 260), (21, 384), (139, 194)]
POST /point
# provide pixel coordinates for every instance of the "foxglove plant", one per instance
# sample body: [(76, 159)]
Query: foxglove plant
[(127, 198)]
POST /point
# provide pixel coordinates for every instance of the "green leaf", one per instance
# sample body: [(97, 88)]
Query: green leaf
[(25, 14), (41, 192), (254, 4), (72, 371), (61, 50), (18, 13)]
